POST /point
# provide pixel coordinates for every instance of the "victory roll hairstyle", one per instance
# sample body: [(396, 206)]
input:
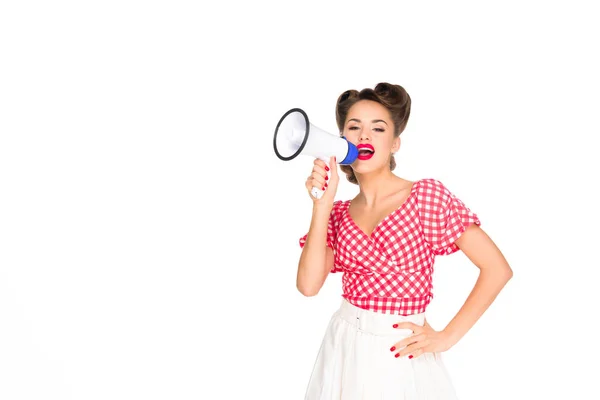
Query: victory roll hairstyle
[(393, 97)]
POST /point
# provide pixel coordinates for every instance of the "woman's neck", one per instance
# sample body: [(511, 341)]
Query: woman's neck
[(376, 185)]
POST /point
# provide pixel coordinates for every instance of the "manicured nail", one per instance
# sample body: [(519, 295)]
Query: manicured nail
[(326, 177), (395, 326), (326, 168), (393, 348), (410, 356), (397, 355), (323, 188)]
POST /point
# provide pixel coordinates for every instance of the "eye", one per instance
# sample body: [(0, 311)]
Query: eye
[(353, 128), (379, 129)]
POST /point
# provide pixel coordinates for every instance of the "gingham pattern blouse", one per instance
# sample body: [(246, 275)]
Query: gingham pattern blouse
[(391, 270)]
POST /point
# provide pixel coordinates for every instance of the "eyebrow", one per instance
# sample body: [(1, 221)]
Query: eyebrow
[(373, 121)]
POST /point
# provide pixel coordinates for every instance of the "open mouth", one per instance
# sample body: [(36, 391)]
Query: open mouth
[(365, 151)]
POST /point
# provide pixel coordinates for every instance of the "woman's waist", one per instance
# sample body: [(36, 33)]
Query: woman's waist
[(378, 316)]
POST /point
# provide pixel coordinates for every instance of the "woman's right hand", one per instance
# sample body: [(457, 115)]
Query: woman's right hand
[(318, 179)]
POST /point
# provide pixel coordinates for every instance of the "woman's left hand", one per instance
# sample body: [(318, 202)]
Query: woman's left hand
[(424, 340)]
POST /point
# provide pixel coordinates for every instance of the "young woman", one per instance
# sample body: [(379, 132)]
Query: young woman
[(378, 344)]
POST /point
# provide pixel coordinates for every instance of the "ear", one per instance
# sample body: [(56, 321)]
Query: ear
[(396, 144)]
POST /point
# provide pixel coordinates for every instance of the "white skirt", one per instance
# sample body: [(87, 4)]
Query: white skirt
[(355, 362)]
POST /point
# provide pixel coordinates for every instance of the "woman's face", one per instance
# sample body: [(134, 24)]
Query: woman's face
[(370, 128)]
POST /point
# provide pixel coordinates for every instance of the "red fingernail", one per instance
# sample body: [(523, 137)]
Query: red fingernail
[(397, 355), (326, 177), (395, 326), (393, 348), (326, 168), (409, 356)]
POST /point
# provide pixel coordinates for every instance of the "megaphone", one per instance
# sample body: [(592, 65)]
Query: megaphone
[(295, 135)]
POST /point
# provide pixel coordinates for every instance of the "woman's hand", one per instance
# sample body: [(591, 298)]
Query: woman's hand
[(319, 179), (424, 340)]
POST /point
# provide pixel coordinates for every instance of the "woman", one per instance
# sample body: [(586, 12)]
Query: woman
[(378, 344)]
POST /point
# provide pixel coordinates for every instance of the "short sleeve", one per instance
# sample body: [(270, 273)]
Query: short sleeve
[(331, 226), (332, 230), (444, 217)]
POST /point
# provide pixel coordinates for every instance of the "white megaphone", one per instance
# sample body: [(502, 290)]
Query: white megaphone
[(295, 135)]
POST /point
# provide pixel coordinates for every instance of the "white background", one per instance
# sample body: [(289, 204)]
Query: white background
[(149, 234)]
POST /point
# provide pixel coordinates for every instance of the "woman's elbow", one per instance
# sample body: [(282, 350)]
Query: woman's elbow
[(306, 290), (509, 272)]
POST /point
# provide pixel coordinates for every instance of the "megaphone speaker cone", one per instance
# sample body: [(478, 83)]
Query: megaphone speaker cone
[(295, 135), (291, 134)]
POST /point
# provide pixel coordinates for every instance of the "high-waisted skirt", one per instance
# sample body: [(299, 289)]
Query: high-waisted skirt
[(355, 362)]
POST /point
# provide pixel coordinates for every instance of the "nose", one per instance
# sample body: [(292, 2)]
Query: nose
[(364, 135)]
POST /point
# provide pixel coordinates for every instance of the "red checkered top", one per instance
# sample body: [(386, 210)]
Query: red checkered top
[(391, 270)]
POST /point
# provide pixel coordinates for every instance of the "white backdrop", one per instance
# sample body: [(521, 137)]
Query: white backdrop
[(149, 234)]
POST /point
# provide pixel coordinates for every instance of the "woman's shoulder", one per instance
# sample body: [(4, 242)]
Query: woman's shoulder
[(341, 204), (430, 183), (338, 209), (431, 192), (431, 187)]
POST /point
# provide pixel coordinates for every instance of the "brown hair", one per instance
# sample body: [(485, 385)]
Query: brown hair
[(392, 97)]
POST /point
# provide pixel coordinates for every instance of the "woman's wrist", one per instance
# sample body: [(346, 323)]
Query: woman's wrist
[(322, 208), (451, 336)]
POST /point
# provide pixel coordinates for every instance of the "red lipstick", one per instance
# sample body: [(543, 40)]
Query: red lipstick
[(365, 151)]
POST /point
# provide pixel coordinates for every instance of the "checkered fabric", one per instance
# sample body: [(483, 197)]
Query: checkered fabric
[(391, 270)]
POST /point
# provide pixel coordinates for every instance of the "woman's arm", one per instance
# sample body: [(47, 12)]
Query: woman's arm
[(316, 259), (493, 276)]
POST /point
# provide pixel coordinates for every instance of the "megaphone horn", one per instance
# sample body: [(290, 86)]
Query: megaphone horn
[(295, 135)]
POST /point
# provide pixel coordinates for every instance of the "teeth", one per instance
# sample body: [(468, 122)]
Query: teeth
[(367, 150)]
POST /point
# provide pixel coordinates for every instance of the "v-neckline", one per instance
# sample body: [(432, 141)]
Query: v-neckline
[(400, 207)]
